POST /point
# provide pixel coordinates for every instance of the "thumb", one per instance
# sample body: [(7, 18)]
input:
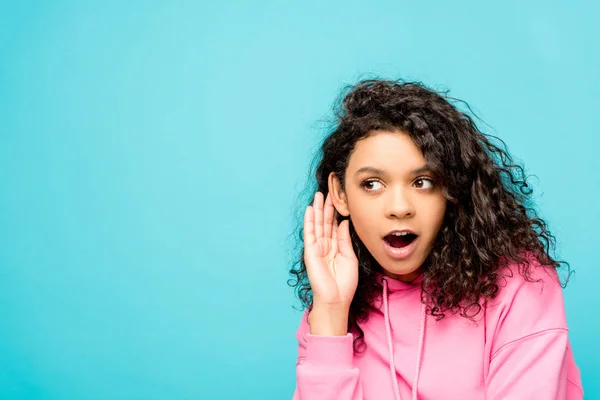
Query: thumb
[(344, 241)]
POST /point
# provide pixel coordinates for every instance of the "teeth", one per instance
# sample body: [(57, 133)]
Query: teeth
[(400, 233)]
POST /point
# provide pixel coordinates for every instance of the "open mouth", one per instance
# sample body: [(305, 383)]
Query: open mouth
[(400, 239)]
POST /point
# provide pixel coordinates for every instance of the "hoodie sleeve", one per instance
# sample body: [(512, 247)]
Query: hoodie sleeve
[(325, 369), (530, 355)]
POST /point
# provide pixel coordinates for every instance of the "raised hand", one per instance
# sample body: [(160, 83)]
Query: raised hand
[(331, 264)]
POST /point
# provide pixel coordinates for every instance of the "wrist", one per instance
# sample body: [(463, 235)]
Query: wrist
[(326, 320)]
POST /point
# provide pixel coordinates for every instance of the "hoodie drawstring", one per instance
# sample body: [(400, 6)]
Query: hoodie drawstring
[(420, 351), (391, 345)]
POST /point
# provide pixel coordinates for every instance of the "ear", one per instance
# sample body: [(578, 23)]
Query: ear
[(338, 196)]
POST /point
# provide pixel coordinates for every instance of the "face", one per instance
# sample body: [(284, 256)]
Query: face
[(390, 188)]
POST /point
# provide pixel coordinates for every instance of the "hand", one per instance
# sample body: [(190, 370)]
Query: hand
[(331, 264)]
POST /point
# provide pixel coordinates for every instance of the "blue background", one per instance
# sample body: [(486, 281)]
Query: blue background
[(151, 155)]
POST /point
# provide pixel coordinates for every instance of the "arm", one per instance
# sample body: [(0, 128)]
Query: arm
[(325, 368), (530, 354), (538, 366)]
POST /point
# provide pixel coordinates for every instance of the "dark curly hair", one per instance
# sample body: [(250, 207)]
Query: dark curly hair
[(490, 218)]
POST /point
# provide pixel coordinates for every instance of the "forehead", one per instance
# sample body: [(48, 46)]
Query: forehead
[(386, 150)]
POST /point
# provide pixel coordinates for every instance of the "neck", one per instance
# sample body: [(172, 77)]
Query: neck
[(407, 278)]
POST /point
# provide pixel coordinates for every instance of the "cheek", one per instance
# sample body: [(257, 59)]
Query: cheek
[(435, 211), (363, 222), (440, 213)]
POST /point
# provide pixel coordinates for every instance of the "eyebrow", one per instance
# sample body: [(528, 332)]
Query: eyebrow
[(377, 171)]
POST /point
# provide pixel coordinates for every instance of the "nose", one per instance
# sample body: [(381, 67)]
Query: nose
[(400, 204)]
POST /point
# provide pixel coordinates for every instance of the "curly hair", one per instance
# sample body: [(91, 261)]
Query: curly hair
[(490, 217)]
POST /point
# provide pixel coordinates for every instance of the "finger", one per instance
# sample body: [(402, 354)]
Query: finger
[(343, 239), (334, 234), (328, 217), (309, 226), (318, 208)]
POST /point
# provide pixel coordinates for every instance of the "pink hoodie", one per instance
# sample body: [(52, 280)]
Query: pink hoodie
[(518, 348)]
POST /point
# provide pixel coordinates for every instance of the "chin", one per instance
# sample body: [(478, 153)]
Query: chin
[(401, 268), (399, 272)]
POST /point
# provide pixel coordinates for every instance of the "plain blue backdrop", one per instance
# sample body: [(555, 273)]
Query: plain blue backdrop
[(151, 154)]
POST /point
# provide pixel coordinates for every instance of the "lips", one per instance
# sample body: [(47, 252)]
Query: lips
[(400, 244)]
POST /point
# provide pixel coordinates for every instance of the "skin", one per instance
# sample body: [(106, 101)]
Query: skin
[(402, 194)]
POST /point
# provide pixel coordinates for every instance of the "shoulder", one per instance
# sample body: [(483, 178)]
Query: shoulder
[(530, 283), (526, 304)]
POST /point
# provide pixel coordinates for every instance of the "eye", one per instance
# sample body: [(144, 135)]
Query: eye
[(424, 183), (368, 185)]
